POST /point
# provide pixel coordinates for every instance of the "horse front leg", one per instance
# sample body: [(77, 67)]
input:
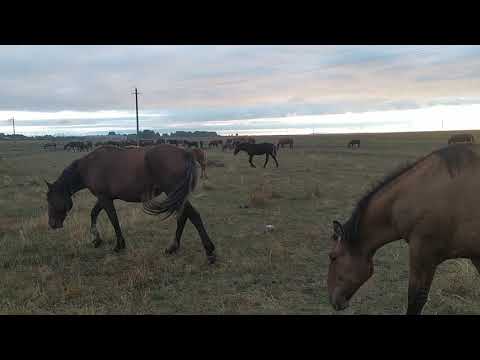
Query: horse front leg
[(422, 270), (266, 161), (250, 161), (175, 245), (112, 215), (96, 239)]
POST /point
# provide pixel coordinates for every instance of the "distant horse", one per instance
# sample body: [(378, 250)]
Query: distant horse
[(190, 144), (88, 145), (50, 145), (201, 144), (147, 142), (215, 143), (201, 157), (432, 204), (459, 138), (285, 141), (228, 146), (133, 175), (75, 146), (257, 149), (354, 143)]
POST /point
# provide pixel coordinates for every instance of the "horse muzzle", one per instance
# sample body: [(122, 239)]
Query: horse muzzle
[(55, 225), (338, 301)]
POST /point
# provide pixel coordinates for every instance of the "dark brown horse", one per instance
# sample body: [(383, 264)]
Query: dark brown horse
[(257, 149), (353, 143), (131, 175), (460, 138), (50, 145), (285, 141), (190, 144), (431, 204), (215, 143)]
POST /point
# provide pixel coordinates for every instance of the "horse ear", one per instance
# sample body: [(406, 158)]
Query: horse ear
[(338, 228), (48, 184)]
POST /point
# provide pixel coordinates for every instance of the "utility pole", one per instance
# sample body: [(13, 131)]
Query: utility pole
[(13, 123), (136, 108)]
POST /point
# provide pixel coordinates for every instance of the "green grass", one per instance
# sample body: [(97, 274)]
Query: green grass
[(281, 272)]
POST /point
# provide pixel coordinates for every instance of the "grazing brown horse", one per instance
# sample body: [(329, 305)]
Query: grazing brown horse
[(201, 157), (285, 141), (133, 175), (459, 138), (431, 204), (257, 149), (354, 143), (50, 145)]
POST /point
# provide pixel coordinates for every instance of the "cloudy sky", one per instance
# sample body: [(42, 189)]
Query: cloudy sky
[(244, 89)]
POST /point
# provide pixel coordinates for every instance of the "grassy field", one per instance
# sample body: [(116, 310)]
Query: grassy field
[(280, 272)]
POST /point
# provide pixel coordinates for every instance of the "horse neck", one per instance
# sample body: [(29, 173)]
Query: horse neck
[(376, 226), (71, 179)]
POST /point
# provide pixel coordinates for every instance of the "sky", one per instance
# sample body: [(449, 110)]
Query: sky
[(87, 90)]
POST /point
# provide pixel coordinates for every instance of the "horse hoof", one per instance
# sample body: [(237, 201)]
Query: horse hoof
[(97, 243), (212, 259), (171, 250)]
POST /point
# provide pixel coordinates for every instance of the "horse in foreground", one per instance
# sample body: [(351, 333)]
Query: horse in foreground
[(431, 204), (354, 143), (285, 141), (132, 175), (460, 138), (257, 149)]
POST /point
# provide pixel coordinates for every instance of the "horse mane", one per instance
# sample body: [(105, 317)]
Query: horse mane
[(70, 180), (455, 158)]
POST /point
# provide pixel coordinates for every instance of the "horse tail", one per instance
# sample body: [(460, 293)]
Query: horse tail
[(175, 201)]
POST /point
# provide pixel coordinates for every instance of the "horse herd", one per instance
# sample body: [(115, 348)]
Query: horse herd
[(431, 204)]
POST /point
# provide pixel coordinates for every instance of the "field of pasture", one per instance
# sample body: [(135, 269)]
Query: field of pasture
[(43, 271)]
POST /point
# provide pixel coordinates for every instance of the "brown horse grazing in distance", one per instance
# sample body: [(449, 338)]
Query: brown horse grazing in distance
[(285, 141), (460, 138), (201, 157), (431, 204), (133, 175), (354, 143)]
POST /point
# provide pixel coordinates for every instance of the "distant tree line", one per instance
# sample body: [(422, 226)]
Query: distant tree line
[(145, 134)]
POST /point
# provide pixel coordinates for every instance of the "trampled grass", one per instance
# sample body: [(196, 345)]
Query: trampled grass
[(274, 272)]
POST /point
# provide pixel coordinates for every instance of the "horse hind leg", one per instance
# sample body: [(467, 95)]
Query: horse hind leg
[(194, 216), (96, 239), (266, 160), (274, 158)]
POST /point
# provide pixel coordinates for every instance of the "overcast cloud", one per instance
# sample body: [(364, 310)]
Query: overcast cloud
[(196, 85)]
